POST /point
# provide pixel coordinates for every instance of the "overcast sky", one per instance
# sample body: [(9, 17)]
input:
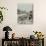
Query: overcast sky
[(26, 7)]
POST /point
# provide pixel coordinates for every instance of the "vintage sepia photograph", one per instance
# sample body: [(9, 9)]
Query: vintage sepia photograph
[(25, 13)]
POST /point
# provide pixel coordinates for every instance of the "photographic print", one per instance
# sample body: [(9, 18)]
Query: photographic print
[(25, 14), (10, 43)]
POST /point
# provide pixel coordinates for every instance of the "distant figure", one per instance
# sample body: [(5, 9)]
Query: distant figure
[(13, 36), (30, 15)]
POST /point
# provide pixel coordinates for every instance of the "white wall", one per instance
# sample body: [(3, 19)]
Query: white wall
[(39, 13)]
